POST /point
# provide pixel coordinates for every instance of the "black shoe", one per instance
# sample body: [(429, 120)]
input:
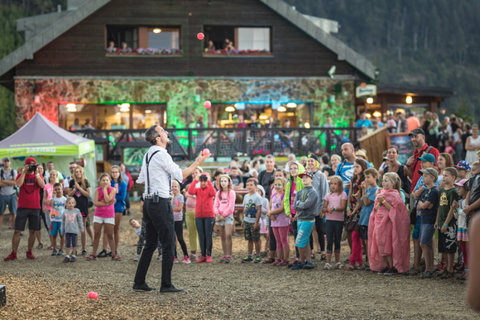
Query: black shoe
[(102, 254), (142, 287), (171, 289), (391, 272), (386, 269)]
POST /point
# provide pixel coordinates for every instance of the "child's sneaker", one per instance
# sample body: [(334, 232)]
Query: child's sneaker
[(136, 257), (327, 266), (193, 257), (201, 259), (222, 260), (247, 259), (339, 265), (66, 259), (309, 265), (30, 255), (175, 260), (294, 262), (12, 256), (54, 252), (186, 260), (257, 259), (228, 259), (208, 259), (60, 253), (84, 252), (73, 259), (298, 266)]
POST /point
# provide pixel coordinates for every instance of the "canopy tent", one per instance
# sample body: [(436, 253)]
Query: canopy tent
[(45, 141)]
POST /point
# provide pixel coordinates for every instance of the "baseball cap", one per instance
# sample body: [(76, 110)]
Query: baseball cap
[(30, 160), (307, 174), (461, 183), (312, 156), (427, 157), (6, 159), (414, 132), (431, 172), (463, 165)]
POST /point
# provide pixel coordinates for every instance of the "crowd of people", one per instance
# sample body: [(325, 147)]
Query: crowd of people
[(61, 204), (429, 201)]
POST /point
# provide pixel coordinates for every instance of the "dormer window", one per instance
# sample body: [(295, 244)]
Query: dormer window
[(143, 41)]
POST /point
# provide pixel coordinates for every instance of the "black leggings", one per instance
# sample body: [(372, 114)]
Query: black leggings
[(205, 230), (271, 237), (179, 233), (334, 235), (320, 227)]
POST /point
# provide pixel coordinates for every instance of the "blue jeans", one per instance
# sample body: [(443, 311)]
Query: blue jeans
[(10, 201), (205, 230), (334, 235)]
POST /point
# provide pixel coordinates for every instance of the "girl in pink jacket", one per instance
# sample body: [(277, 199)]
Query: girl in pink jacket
[(223, 207)]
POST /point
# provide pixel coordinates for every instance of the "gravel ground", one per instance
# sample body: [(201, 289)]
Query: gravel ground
[(47, 288)]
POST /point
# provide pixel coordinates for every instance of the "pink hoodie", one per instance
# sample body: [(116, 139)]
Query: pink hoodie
[(226, 205)]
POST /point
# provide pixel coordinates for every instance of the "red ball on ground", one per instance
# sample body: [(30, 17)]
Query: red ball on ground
[(93, 295), (200, 36)]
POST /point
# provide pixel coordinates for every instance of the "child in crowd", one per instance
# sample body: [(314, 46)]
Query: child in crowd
[(55, 215), (252, 204), (294, 185), (462, 224), (140, 232), (280, 222), (177, 207), (104, 200), (369, 192), (305, 205), (446, 222), (190, 204), (334, 209), (354, 206), (47, 195), (389, 229), (72, 224), (463, 169), (264, 218), (204, 215), (427, 207), (224, 207)]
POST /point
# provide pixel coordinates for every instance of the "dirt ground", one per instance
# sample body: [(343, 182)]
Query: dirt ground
[(46, 288)]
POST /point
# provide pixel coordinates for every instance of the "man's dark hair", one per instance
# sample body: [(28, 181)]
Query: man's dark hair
[(57, 185), (203, 178), (151, 135), (325, 159)]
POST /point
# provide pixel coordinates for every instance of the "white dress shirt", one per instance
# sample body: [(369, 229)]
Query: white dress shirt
[(161, 170)]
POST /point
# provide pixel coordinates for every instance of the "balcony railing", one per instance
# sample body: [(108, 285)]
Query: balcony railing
[(228, 142)]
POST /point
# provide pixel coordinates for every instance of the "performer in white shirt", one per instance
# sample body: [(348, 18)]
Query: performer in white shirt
[(157, 172)]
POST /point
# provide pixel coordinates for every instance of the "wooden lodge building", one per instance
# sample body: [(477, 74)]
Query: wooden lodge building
[(120, 64)]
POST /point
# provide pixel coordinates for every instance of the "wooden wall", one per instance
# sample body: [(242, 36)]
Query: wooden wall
[(81, 50)]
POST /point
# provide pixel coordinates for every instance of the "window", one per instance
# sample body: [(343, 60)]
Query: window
[(143, 41), (237, 41)]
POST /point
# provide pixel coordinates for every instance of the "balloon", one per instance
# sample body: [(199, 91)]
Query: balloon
[(206, 152), (207, 104), (93, 295), (200, 36)]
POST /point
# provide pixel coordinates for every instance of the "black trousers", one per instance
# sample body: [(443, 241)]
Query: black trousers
[(179, 233), (159, 225), (205, 230)]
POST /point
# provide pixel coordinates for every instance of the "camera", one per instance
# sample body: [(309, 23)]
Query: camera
[(32, 167)]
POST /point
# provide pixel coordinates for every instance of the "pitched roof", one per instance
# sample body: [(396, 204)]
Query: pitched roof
[(45, 35), (66, 20)]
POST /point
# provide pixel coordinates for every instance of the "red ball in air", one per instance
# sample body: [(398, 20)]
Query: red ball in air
[(207, 104), (200, 36)]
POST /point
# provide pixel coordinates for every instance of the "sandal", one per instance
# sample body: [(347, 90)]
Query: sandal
[(268, 261), (349, 267), (116, 257), (40, 246), (91, 257)]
